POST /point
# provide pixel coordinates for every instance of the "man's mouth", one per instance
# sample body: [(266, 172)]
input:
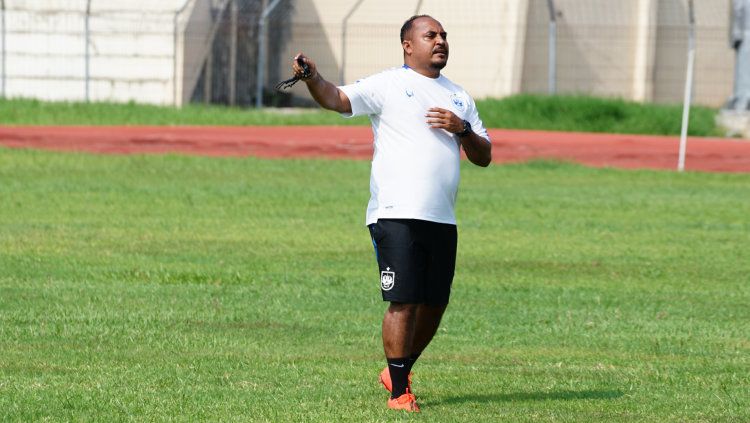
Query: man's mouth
[(440, 51)]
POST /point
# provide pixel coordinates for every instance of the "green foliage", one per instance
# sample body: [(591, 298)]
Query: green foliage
[(153, 288), (35, 112), (564, 113), (591, 114)]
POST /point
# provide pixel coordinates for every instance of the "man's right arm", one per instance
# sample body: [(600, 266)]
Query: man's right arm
[(325, 93)]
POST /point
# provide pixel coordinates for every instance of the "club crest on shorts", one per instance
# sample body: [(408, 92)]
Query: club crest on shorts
[(387, 279)]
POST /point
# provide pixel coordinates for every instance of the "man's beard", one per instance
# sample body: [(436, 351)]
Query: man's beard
[(438, 65)]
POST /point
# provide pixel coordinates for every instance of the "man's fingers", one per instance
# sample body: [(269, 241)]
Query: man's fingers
[(439, 113), (300, 63), (438, 118), (296, 67)]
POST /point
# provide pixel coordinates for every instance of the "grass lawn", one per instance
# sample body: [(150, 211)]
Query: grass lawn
[(562, 113), (154, 288)]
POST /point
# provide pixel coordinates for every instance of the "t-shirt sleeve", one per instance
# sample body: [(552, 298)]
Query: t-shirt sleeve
[(472, 115), (366, 95)]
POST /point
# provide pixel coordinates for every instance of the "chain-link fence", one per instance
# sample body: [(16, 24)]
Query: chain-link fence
[(635, 49), (166, 52), (231, 70), (67, 50), (176, 51)]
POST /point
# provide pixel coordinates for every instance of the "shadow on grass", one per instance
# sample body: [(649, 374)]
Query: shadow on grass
[(534, 396)]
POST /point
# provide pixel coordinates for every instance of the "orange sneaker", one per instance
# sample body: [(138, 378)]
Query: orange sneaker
[(406, 402), (385, 380)]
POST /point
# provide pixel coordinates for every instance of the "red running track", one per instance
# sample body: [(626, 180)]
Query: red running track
[(600, 150)]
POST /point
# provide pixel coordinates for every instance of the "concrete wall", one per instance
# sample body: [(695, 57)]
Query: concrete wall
[(131, 45), (194, 25), (595, 48), (486, 39), (42, 50), (634, 49), (714, 59)]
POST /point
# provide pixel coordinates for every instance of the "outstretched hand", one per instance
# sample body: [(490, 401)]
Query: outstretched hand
[(299, 71), (439, 118)]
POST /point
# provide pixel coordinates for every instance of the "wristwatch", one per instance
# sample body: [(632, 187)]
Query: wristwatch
[(466, 131)]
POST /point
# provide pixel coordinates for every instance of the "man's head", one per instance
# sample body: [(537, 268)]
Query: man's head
[(425, 43)]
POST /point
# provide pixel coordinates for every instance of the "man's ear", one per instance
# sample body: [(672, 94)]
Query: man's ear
[(406, 45)]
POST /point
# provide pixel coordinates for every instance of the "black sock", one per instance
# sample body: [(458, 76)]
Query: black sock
[(412, 359), (399, 369)]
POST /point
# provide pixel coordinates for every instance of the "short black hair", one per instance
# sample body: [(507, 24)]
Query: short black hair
[(406, 27)]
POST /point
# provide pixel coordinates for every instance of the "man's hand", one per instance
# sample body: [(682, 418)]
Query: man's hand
[(299, 71), (439, 118), (323, 92), (478, 150)]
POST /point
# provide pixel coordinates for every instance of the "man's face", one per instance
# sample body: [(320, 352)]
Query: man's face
[(427, 43)]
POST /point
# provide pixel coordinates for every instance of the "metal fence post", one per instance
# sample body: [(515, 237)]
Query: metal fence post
[(87, 57), (2, 47), (175, 22), (233, 11), (552, 49), (262, 53), (740, 43), (688, 88), (419, 6), (343, 39), (174, 58)]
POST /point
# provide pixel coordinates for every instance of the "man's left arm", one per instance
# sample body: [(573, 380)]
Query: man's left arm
[(478, 150)]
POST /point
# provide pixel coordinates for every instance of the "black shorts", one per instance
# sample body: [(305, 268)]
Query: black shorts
[(416, 258)]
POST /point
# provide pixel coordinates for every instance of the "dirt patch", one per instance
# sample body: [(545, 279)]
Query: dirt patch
[(600, 150)]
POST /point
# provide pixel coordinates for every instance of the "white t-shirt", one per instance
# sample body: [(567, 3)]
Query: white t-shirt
[(415, 169)]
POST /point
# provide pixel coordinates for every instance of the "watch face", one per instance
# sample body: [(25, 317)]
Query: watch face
[(466, 130)]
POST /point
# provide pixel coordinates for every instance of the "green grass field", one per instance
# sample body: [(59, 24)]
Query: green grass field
[(563, 113), (153, 288)]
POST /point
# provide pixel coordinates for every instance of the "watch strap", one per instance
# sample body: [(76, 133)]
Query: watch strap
[(466, 131)]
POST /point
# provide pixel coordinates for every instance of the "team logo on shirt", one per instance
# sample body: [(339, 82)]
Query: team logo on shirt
[(458, 101), (387, 279)]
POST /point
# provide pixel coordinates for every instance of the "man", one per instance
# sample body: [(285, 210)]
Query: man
[(420, 120)]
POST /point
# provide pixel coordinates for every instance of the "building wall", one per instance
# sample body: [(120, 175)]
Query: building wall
[(131, 48), (42, 50), (635, 49), (595, 47), (714, 59), (486, 40)]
